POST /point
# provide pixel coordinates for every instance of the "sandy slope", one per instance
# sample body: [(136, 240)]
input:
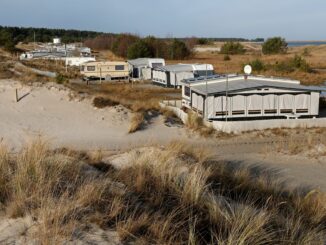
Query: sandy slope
[(50, 112)]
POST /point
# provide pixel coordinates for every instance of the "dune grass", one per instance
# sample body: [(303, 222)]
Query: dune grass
[(176, 195)]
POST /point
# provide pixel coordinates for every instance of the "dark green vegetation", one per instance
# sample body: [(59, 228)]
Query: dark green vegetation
[(275, 45), (232, 48), (132, 47), (297, 63), (10, 36)]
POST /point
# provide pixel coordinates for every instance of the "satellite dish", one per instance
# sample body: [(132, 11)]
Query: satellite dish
[(248, 70)]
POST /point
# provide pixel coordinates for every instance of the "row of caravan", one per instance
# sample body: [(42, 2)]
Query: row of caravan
[(145, 69)]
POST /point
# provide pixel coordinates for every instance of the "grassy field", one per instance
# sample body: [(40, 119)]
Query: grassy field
[(314, 55)]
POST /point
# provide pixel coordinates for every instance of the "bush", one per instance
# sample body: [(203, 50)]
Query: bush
[(297, 63), (226, 57), (101, 102), (257, 65), (203, 41), (284, 67), (306, 52), (138, 50), (232, 48), (301, 64), (60, 78), (178, 50), (276, 45)]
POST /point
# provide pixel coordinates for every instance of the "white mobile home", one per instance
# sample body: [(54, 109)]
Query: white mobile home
[(172, 75), (249, 97), (142, 68)]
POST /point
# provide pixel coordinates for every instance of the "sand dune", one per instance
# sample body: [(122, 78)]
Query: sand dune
[(52, 112)]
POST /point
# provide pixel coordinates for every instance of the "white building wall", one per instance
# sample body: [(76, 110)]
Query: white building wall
[(314, 104), (262, 105)]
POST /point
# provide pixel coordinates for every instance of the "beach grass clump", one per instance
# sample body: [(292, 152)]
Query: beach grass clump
[(173, 195), (137, 122)]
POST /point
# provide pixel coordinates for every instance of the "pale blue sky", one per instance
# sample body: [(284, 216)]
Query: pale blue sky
[(292, 19)]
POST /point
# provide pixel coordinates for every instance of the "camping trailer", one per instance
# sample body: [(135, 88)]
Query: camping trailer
[(172, 75), (238, 97), (142, 68), (78, 61), (106, 70)]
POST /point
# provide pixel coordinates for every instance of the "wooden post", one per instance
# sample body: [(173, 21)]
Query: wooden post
[(100, 75), (16, 95)]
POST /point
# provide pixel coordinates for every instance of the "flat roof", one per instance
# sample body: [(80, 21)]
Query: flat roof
[(182, 67), (143, 61), (249, 84)]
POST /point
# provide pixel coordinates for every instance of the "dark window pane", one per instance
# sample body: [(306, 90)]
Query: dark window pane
[(90, 68), (119, 68)]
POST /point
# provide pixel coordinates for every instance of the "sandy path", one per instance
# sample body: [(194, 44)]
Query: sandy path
[(77, 124)]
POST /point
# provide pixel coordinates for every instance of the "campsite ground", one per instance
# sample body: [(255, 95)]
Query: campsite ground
[(65, 116)]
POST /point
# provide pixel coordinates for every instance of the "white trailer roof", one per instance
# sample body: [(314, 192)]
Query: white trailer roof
[(145, 61), (186, 67), (239, 83)]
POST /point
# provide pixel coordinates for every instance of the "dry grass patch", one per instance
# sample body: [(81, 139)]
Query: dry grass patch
[(196, 123), (137, 122), (101, 102), (171, 196)]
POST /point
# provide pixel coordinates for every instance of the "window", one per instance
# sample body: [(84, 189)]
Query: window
[(270, 111), (119, 68), (302, 110), (238, 112), (187, 91), (203, 73), (222, 113), (90, 68), (286, 110), (254, 112), (155, 65)]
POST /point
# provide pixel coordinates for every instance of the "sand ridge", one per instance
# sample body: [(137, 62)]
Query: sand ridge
[(53, 112)]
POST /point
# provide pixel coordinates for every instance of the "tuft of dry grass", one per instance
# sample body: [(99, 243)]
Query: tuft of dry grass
[(172, 195), (196, 123), (101, 102), (137, 122)]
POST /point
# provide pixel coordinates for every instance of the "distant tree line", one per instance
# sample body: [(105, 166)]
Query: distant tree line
[(132, 46), (10, 36)]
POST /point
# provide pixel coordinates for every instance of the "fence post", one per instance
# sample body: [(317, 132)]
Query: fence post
[(16, 95)]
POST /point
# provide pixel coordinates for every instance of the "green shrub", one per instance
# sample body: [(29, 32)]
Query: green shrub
[(275, 45), (60, 78), (257, 65), (284, 67), (306, 52), (232, 48), (203, 41), (178, 50), (300, 63), (139, 49)]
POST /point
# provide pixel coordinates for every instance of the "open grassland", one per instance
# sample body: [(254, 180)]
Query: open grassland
[(314, 55), (175, 195)]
